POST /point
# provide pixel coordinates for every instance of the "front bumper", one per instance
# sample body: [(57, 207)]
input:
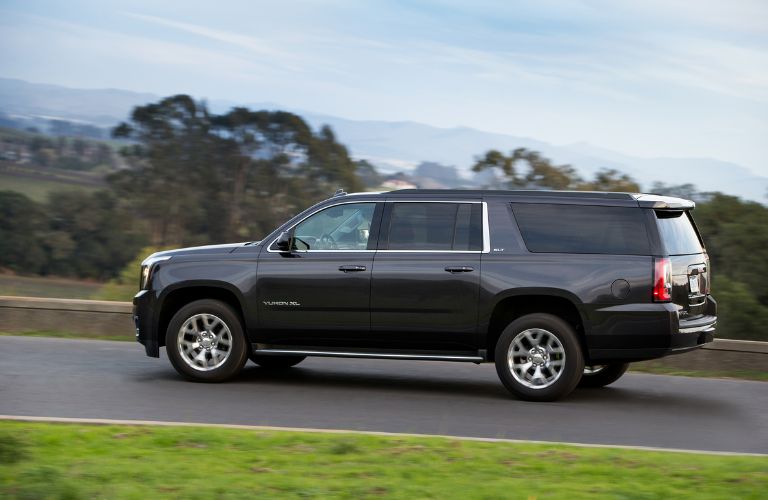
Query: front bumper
[(145, 320)]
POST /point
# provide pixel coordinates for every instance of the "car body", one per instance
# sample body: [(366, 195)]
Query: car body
[(442, 274)]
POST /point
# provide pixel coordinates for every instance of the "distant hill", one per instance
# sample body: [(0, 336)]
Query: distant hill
[(395, 146)]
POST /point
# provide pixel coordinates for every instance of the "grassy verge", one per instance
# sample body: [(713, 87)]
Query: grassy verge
[(81, 461), (658, 368), (48, 287), (39, 188)]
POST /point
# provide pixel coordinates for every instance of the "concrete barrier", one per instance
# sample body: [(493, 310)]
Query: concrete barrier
[(105, 319), (87, 317)]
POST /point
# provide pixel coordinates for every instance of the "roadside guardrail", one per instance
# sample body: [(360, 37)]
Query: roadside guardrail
[(105, 319)]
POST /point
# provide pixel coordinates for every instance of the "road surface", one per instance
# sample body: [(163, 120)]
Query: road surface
[(103, 379)]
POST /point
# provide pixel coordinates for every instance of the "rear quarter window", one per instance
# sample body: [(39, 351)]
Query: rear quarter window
[(582, 229), (678, 233)]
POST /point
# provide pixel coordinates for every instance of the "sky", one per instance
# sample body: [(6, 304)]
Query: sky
[(647, 78)]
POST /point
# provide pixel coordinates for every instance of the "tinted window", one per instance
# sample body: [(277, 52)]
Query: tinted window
[(436, 226), (677, 233), (341, 227), (582, 229)]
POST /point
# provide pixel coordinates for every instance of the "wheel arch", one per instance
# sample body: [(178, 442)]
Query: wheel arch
[(177, 296), (513, 304)]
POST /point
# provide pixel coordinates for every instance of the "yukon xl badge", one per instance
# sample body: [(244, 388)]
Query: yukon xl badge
[(281, 303)]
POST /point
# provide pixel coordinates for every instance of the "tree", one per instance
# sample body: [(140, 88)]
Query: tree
[(610, 180), (87, 235), (687, 191), (197, 177), (22, 226), (260, 146), (171, 183), (736, 235)]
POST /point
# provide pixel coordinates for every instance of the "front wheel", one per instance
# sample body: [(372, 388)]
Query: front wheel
[(602, 375), (538, 358), (205, 341)]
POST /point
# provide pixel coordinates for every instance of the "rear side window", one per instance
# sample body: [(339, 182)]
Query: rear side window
[(677, 232), (435, 226), (582, 229)]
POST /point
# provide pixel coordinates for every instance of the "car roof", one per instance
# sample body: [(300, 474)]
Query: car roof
[(531, 195)]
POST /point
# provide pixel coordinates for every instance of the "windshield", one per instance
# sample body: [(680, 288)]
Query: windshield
[(678, 232)]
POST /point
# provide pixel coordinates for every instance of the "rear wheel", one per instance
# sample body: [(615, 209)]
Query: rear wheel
[(205, 341), (602, 375), (538, 357), (276, 362)]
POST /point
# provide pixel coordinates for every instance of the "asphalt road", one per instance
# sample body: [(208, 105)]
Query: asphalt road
[(102, 379)]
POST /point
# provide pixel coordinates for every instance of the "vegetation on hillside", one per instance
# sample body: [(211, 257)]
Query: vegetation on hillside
[(25, 147)]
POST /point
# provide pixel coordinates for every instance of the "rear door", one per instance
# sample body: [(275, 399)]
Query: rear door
[(690, 265), (426, 276)]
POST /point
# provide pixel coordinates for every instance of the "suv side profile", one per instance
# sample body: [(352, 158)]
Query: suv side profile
[(557, 288)]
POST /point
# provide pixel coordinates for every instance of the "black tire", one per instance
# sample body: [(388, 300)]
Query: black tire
[(276, 362), (571, 368), (606, 375), (237, 351)]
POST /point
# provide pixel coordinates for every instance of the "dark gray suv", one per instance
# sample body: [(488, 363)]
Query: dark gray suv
[(557, 288)]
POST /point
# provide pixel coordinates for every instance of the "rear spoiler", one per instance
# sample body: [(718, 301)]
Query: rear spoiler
[(663, 202)]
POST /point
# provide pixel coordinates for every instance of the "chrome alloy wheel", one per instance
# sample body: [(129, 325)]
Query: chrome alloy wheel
[(536, 358), (205, 342), (593, 369)]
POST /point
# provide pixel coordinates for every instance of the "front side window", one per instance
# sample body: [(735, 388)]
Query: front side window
[(436, 226), (340, 227)]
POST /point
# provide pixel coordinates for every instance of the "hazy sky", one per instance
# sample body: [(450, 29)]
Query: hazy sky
[(651, 77)]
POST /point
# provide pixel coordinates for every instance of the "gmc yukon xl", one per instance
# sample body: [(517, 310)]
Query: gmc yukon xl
[(558, 289)]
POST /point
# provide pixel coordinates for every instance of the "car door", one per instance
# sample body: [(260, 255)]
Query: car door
[(318, 294), (426, 275)]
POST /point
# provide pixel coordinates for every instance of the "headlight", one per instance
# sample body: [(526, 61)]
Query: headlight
[(147, 267)]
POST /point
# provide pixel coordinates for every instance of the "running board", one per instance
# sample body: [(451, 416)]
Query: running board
[(263, 350)]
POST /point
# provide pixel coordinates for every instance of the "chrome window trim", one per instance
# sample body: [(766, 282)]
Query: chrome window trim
[(486, 228)]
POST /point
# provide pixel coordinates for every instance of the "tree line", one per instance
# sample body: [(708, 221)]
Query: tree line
[(195, 177)]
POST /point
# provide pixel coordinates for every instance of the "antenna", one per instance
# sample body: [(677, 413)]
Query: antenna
[(339, 192)]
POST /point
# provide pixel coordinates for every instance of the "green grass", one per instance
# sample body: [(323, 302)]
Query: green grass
[(40, 460), (38, 286), (657, 367), (38, 189)]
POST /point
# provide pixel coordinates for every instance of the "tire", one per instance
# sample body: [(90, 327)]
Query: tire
[(550, 348), (276, 362), (205, 341), (602, 375)]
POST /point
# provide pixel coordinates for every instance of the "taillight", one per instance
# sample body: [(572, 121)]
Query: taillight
[(662, 279), (708, 279)]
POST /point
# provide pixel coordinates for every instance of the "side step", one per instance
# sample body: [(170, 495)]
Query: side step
[(270, 350)]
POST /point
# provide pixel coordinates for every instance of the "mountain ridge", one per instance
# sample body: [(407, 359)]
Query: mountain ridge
[(398, 145)]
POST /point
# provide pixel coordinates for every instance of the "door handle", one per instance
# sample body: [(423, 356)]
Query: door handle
[(351, 269), (459, 269)]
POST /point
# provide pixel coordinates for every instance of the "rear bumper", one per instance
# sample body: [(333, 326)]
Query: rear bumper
[(144, 318), (650, 331)]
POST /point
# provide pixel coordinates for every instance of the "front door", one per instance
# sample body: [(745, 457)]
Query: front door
[(318, 294)]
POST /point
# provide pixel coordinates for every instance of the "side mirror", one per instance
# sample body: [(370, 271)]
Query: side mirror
[(283, 242)]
